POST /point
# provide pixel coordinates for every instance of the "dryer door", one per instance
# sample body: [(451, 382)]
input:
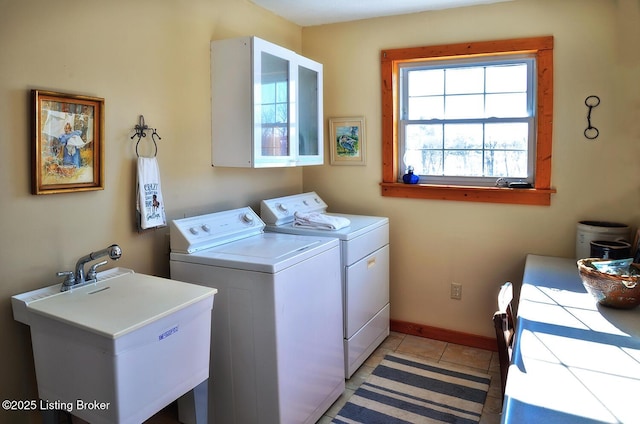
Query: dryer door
[(366, 289)]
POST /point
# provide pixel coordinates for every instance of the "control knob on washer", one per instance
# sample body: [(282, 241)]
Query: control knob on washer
[(247, 218)]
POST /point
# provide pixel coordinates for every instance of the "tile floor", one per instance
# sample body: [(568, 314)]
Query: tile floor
[(426, 349)]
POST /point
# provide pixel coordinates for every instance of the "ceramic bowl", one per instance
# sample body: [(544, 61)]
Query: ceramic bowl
[(615, 291)]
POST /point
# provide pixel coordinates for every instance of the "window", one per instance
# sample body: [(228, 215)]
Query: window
[(465, 115), (467, 123)]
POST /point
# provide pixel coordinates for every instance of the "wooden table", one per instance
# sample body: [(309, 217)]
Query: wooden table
[(573, 361)]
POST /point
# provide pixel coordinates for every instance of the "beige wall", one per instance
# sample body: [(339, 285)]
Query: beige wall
[(146, 57), (434, 243)]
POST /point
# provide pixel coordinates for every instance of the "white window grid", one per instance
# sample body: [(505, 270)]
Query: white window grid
[(529, 119)]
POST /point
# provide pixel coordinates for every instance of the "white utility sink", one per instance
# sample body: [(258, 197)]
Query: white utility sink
[(121, 349)]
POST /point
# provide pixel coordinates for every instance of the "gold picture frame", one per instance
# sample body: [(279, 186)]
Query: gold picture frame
[(347, 141), (68, 143)]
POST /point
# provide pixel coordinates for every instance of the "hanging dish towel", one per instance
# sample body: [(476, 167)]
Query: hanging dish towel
[(149, 202), (320, 221)]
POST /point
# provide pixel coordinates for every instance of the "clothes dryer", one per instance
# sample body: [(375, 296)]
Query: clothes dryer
[(276, 341), (364, 258)]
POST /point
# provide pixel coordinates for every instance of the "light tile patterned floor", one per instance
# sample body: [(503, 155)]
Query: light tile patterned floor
[(426, 349)]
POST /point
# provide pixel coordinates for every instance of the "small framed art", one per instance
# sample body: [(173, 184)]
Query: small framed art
[(347, 141), (68, 143)]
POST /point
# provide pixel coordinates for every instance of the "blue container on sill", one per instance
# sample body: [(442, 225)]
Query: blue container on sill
[(410, 177)]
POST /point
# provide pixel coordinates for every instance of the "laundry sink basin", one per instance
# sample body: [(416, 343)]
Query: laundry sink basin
[(121, 349)]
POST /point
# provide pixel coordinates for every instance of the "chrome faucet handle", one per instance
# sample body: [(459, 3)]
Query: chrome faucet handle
[(69, 281), (93, 274)]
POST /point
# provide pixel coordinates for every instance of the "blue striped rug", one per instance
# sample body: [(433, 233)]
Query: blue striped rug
[(403, 390)]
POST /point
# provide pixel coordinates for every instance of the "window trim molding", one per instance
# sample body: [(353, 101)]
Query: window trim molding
[(542, 48)]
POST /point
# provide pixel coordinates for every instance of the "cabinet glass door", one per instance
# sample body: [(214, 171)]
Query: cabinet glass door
[(272, 108), (310, 134)]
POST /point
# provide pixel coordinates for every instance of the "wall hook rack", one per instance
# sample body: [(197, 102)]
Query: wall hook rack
[(591, 132), (141, 131)]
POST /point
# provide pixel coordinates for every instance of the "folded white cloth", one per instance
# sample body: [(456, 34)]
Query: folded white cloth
[(320, 221), (149, 202)]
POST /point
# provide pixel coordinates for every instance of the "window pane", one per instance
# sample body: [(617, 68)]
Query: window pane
[(426, 107), (426, 82), (506, 105), (423, 137), (424, 162), (463, 136), (274, 142), (507, 78), (284, 141), (282, 112), (268, 142), (506, 164), (282, 93), (459, 107), (467, 163), (507, 136), (433, 162), (268, 114), (414, 158), (268, 93), (464, 80)]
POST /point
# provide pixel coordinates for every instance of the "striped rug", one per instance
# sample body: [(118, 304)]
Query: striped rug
[(405, 390)]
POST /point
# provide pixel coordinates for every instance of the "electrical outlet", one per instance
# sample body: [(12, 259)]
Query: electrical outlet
[(456, 291)]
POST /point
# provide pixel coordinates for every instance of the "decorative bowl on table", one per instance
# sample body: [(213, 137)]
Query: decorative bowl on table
[(611, 285)]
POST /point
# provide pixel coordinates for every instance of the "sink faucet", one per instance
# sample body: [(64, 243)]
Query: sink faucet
[(114, 252)]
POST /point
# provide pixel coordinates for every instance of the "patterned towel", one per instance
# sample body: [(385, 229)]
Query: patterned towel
[(149, 201)]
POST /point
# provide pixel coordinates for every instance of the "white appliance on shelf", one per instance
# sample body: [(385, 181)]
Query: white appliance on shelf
[(277, 326), (114, 351), (365, 269)]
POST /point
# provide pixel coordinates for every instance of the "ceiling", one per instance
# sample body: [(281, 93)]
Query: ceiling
[(318, 12)]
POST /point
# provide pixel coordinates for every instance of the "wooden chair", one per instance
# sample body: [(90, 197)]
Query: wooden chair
[(505, 330)]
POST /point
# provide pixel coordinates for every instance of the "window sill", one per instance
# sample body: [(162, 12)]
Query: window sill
[(517, 196)]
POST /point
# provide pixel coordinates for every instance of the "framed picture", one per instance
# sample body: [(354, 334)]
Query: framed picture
[(68, 143), (347, 141)]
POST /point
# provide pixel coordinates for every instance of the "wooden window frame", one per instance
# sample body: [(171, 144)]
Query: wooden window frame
[(540, 194)]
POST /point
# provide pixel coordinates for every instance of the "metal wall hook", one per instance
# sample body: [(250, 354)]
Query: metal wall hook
[(591, 132), (141, 131)]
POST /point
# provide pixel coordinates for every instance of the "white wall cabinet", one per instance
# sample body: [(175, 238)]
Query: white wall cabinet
[(266, 105)]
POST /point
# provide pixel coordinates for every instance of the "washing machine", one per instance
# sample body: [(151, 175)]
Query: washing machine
[(364, 258), (276, 341)]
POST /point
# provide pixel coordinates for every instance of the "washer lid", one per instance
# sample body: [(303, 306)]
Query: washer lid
[(265, 252), (196, 233)]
